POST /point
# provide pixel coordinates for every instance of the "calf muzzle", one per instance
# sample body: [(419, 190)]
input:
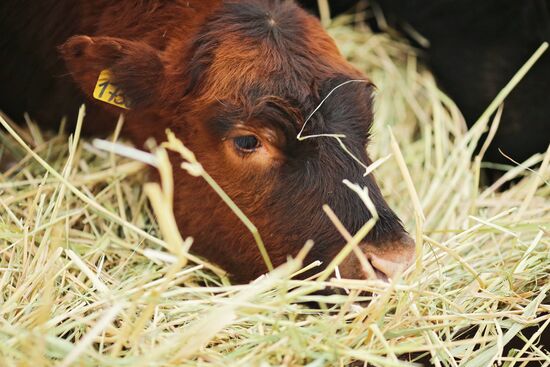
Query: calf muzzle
[(386, 260)]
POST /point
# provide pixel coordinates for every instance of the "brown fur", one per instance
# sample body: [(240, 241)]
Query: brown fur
[(214, 70)]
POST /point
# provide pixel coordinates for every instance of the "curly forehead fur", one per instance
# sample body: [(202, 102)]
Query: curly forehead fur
[(269, 47)]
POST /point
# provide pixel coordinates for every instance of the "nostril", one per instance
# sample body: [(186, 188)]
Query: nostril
[(387, 260), (387, 268), (392, 258)]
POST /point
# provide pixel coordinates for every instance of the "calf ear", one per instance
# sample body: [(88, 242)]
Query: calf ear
[(135, 67)]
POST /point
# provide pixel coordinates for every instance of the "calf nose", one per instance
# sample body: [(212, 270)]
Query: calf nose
[(385, 260)]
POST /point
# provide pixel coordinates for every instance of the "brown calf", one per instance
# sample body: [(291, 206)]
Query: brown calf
[(235, 81)]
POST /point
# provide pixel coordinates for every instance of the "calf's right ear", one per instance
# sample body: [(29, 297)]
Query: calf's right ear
[(135, 68)]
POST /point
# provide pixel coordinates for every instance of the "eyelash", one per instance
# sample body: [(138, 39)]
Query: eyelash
[(247, 143)]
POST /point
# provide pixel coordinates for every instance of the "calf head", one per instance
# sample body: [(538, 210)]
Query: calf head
[(237, 89)]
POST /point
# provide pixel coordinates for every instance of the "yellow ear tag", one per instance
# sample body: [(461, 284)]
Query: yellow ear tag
[(106, 91)]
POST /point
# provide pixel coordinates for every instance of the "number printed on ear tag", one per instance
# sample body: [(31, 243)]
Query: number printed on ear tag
[(106, 91)]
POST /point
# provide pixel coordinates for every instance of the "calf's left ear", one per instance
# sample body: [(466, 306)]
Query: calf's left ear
[(136, 68)]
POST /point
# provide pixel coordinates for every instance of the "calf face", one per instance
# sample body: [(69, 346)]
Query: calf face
[(237, 90)]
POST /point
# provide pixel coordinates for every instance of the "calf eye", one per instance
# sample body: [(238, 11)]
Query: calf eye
[(246, 143)]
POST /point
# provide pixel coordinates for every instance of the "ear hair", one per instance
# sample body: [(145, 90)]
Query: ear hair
[(136, 67)]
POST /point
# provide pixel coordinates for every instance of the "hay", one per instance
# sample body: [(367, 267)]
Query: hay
[(89, 276)]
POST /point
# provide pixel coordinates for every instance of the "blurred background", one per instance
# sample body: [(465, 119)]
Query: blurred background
[(474, 48)]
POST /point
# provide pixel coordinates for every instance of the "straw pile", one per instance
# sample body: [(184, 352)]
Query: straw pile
[(90, 276)]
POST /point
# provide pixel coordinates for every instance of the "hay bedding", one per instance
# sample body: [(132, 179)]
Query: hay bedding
[(89, 275)]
